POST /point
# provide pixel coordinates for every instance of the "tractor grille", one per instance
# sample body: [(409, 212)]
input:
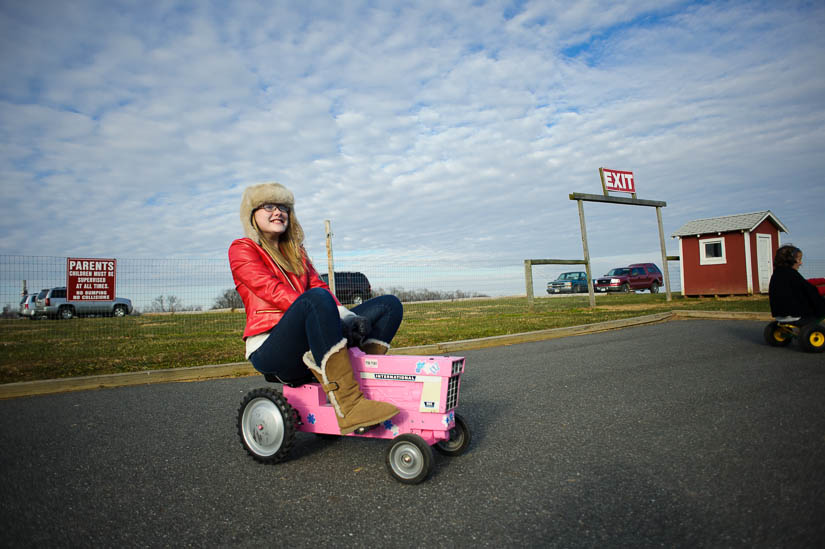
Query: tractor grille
[(457, 364), (452, 393)]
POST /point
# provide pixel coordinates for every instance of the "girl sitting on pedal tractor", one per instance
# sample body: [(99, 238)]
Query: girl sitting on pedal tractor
[(295, 328)]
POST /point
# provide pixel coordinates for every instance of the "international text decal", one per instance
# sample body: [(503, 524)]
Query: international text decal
[(397, 377)]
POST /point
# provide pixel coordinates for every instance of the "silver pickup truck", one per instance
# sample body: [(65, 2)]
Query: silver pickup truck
[(52, 303)]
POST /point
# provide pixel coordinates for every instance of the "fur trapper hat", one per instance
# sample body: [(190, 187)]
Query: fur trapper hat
[(257, 195)]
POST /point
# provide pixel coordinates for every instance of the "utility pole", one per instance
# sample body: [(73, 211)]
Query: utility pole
[(330, 267)]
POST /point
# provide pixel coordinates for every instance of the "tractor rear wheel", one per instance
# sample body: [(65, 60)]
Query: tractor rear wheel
[(776, 336)]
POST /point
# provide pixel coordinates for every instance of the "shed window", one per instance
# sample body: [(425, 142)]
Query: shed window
[(712, 251)]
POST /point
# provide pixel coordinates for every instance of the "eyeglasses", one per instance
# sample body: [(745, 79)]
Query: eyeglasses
[(272, 207)]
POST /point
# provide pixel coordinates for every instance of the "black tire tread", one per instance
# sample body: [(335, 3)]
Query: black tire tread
[(290, 416)]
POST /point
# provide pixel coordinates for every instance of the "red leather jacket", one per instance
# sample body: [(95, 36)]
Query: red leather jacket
[(266, 290)]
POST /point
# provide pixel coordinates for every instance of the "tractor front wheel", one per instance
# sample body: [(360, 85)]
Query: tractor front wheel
[(459, 439), (409, 458), (812, 338)]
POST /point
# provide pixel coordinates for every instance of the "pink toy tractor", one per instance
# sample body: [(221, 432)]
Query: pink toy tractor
[(424, 388)]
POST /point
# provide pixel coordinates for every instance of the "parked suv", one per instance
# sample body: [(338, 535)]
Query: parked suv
[(639, 276), (350, 287), (52, 303), (568, 283), (614, 281)]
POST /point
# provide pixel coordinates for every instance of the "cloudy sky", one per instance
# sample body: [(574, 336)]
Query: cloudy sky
[(447, 130)]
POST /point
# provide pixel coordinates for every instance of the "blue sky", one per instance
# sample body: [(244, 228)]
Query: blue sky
[(451, 131)]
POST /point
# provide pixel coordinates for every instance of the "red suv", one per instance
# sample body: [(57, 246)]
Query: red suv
[(639, 276)]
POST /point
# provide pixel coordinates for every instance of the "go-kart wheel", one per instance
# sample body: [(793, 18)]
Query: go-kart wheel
[(812, 338), (459, 439), (775, 336), (266, 425), (409, 458)]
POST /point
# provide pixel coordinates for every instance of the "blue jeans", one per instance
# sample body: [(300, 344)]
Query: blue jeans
[(312, 323)]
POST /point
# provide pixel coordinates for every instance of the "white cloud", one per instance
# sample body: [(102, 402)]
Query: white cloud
[(443, 130)]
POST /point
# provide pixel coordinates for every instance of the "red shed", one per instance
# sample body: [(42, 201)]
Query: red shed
[(731, 255)]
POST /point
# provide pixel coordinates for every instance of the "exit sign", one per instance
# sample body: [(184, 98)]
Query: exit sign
[(617, 181)]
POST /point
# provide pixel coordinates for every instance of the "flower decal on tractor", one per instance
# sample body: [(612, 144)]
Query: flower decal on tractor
[(449, 419), (421, 366), (311, 419), (390, 427)]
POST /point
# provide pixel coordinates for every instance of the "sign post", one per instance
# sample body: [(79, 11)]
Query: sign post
[(615, 181), (586, 250), (579, 197), (90, 279)]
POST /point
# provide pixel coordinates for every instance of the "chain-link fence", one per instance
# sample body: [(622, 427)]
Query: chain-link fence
[(158, 286), (186, 311), (191, 285)]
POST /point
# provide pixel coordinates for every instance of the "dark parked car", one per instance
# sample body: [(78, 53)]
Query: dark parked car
[(350, 287), (639, 276), (568, 283)]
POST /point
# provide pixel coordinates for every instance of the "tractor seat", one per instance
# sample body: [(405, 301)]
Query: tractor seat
[(787, 319)]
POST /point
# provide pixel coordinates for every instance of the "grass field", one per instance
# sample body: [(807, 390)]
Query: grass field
[(48, 349)]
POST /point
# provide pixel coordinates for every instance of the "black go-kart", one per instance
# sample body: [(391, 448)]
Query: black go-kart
[(782, 331)]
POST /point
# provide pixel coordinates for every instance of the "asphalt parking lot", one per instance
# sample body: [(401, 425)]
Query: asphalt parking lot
[(688, 433)]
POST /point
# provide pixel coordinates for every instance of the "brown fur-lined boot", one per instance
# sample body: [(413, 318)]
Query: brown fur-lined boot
[(374, 347), (352, 409)]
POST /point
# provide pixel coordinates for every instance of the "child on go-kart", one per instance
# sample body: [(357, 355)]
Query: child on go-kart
[(793, 299)]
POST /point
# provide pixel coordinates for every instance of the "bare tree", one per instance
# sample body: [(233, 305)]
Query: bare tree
[(169, 304), (229, 299)]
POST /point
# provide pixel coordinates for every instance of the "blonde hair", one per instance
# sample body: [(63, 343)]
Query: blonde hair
[(289, 254)]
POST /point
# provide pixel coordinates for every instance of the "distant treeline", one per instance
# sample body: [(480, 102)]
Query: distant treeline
[(425, 294), (230, 299)]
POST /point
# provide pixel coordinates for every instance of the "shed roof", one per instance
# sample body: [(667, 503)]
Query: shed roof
[(728, 223)]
